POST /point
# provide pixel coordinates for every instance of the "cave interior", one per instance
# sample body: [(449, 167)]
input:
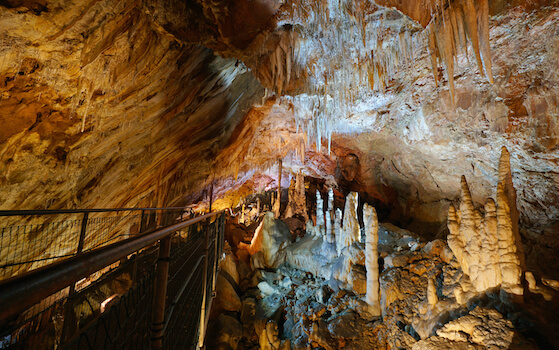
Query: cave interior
[(389, 168)]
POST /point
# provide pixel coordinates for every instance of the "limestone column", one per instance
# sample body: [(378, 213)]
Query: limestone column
[(509, 260), (338, 224), (350, 232), (277, 205), (330, 238), (371, 259), (505, 177), (320, 231)]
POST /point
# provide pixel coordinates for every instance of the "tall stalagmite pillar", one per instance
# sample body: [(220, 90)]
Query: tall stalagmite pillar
[(330, 238), (371, 259), (351, 232), (277, 205), (320, 223), (505, 178)]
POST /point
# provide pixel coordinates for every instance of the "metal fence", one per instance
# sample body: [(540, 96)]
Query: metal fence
[(32, 239), (139, 295)]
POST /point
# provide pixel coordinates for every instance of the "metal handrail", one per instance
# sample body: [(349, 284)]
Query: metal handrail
[(21, 292), (77, 211)]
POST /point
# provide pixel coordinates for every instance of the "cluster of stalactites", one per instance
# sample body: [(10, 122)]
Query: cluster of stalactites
[(454, 23), (485, 245), (343, 50)]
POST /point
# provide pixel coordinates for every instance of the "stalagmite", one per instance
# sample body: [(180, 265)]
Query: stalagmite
[(302, 198), (350, 232), (508, 257), (370, 222), (320, 225), (432, 291), (297, 203), (486, 247), (489, 257), (505, 178), (330, 238), (338, 225), (277, 204)]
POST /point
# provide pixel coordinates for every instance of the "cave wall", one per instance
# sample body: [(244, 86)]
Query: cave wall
[(101, 107)]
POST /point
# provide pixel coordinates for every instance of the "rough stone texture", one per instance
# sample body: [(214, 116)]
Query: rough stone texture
[(226, 296), (482, 326), (100, 108), (436, 343), (227, 332)]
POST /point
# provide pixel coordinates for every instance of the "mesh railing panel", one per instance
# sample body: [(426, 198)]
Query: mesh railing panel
[(30, 246), (42, 240), (126, 325)]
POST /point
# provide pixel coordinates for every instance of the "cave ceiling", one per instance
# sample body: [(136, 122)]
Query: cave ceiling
[(157, 99)]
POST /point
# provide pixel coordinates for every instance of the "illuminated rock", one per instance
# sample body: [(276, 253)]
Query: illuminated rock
[(351, 231), (270, 239), (370, 222), (297, 203), (486, 246)]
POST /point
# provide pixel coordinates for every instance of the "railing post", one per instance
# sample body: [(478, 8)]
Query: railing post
[(69, 314), (142, 223), (211, 195), (217, 234), (203, 311), (160, 295)]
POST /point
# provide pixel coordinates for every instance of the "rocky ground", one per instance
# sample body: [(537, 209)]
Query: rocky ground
[(427, 301)]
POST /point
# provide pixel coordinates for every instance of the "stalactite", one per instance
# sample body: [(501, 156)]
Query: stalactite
[(447, 37)]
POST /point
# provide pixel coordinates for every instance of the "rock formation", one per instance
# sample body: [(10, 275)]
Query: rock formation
[(269, 337), (320, 223), (270, 239), (330, 236), (338, 225), (350, 232), (297, 202), (370, 223), (448, 34), (505, 179), (486, 246)]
